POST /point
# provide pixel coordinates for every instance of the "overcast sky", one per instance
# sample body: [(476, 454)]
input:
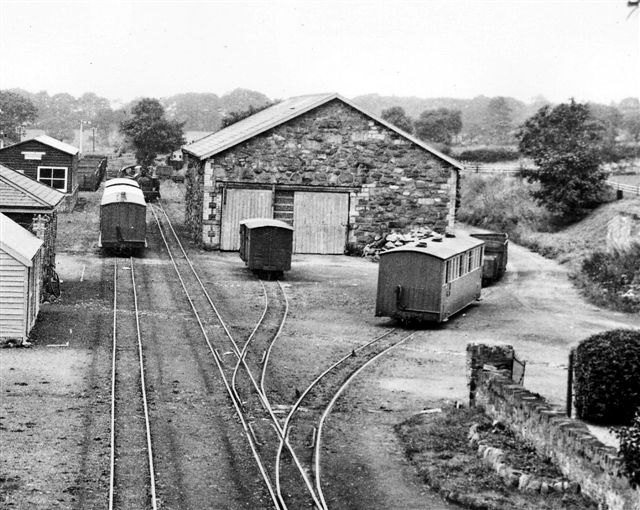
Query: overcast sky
[(587, 49)]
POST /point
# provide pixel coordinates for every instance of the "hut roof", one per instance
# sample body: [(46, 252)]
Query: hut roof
[(52, 142), (446, 248), (21, 244), (283, 112), (17, 192)]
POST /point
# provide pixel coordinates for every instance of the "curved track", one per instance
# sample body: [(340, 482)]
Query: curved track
[(319, 398), (132, 478), (260, 425)]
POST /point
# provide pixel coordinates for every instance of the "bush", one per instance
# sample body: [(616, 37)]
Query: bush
[(500, 204), (606, 383), (630, 449), (612, 279), (629, 438)]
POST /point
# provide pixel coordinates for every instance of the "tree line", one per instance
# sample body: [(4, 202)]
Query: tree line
[(496, 121), (59, 114)]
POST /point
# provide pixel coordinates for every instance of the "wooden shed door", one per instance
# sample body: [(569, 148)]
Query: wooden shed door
[(241, 204), (320, 222)]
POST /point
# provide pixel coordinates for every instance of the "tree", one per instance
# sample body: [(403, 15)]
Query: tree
[(149, 132), (438, 125), (237, 116), (397, 116), (499, 121), (611, 120), (15, 112), (565, 143)]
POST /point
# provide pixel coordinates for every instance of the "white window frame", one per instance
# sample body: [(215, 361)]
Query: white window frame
[(66, 176)]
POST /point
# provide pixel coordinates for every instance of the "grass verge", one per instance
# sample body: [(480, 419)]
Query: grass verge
[(437, 445)]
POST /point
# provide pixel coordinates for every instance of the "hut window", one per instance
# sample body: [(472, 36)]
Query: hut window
[(54, 176)]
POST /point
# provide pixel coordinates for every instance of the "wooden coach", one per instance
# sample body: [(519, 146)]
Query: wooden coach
[(495, 255), (430, 280), (266, 245), (123, 216)]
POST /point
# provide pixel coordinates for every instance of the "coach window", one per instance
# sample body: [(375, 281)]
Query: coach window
[(54, 176)]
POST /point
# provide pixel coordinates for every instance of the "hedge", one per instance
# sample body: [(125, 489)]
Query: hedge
[(606, 380)]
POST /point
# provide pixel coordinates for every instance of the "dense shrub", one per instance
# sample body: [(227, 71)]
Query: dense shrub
[(612, 279), (606, 384), (620, 152), (500, 204), (630, 449), (489, 155)]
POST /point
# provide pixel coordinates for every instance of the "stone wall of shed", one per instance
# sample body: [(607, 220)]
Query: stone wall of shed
[(195, 196), (394, 184)]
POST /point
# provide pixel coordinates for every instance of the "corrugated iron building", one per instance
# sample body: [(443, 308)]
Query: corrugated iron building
[(336, 173), (20, 280)]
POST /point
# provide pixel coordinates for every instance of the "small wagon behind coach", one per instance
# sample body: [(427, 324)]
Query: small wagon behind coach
[(430, 280), (123, 216), (495, 255), (266, 245)]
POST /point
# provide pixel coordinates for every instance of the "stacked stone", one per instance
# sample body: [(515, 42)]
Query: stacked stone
[(382, 243)]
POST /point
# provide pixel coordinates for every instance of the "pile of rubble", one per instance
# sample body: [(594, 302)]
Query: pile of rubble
[(382, 243)]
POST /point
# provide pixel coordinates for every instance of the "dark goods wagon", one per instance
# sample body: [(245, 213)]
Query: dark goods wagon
[(123, 216), (429, 281), (266, 245), (495, 256)]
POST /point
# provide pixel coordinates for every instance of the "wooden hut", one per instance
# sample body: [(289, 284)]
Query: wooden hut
[(20, 280), (430, 280)]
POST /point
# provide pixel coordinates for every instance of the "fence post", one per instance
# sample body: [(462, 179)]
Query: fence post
[(570, 384)]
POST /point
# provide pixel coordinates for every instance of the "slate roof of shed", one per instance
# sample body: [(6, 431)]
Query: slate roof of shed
[(17, 191), (446, 248), (18, 242), (281, 113)]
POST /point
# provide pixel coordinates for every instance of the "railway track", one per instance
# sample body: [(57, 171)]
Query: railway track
[(304, 424), (287, 451), (132, 477), (237, 365)]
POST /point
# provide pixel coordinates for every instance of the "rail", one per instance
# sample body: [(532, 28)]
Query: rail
[(237, 402), (503, 168), (626, 188)]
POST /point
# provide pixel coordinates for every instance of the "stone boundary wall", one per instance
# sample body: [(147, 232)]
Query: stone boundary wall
[(578, 454)]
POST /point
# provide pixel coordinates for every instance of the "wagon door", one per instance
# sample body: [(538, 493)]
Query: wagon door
[(241, 204), (320, 222)]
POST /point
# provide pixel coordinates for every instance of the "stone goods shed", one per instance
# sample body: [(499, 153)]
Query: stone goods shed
[(48, 161), (33, 206), (337, 174), (20, 280)]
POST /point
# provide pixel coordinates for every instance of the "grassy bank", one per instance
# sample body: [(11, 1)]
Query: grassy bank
[(504, 204)]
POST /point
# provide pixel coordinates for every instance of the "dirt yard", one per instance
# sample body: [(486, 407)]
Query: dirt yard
[(55, 395)]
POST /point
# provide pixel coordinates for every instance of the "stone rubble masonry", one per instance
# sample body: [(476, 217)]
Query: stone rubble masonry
[(45, 227), (393, 183), (580, 456), (496, 459)]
